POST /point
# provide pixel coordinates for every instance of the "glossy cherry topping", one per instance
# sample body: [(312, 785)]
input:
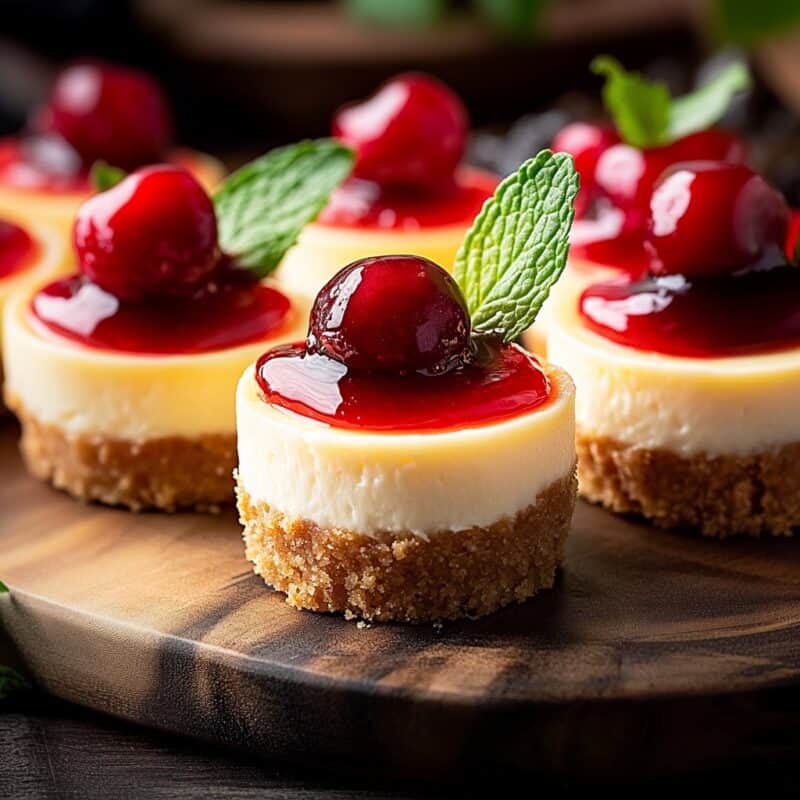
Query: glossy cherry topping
[(359, 203), (503, 383), (756, 312), (711, 218), (17, 249), (234, 313), (394, 313), (612, 220), (107, 112), (153, 234), (410, 133)]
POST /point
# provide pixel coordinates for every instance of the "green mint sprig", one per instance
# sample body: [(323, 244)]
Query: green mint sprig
[(646, 114), (517, 246), (3, 588), (104, 176), (11, 682), (262, 207)]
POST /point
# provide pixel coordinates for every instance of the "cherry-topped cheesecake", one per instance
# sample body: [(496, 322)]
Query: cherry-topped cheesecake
[(619, 164), (28, 253), (95, 112), (407, 461), (123, 375), (409, 192), (688, 378)]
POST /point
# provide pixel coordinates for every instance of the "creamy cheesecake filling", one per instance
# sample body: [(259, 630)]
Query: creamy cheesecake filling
[(322, 250), (421, 483), (87, 391), (722, 406)]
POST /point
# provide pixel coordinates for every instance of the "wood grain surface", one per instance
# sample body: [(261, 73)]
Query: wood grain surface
[(655, 652)]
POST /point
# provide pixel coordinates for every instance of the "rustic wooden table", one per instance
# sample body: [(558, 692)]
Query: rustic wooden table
[(49, 749)]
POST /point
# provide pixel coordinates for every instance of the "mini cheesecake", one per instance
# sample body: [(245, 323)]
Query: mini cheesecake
[(617, 178), (27, 255), (95, 112), (395, 494), (688, 378), (123, 376), (407, 193)]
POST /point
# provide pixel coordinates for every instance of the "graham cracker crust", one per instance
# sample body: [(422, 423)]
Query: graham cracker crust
[(719, 496), (403, 577), (166, 473)]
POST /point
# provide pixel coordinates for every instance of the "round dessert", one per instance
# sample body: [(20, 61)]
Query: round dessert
[(687, 377), (95, 112), (392, 468), (27, 255), (618, 169), (408, 192), (123, 376)]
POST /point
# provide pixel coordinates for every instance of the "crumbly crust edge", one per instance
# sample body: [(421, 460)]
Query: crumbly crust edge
[(718, 496), (403, 576), (167, 473)]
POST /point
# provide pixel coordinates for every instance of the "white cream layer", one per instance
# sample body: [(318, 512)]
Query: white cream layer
[(87, 391), (720, 406), (423, 483)]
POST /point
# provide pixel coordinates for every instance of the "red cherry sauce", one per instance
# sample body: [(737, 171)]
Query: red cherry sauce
[(732, 315), (229, 314), (504, 384), (364, 204), (17, 249), (794, 235)]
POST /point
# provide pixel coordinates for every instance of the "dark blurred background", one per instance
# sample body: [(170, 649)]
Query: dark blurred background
[(246, 74)]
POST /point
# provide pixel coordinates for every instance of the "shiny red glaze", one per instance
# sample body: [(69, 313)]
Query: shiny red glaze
[(154, 233), (395, 313), (756, 312), (710, 218), (365, 204), (107, 112), (507, 383), (793, 238), (236, 313), (17, 249), (411, 132)]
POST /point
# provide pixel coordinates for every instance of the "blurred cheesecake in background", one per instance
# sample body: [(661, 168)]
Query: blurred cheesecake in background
[(95, 112), (409, 193)]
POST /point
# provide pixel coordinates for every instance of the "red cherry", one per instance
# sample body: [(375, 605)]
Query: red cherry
[(395, 313), (410, 133), (111, 113), (627, 174), (711, 218), (154, 233), (585, 142)]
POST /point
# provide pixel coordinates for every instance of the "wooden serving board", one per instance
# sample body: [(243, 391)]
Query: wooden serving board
[(655, 651)]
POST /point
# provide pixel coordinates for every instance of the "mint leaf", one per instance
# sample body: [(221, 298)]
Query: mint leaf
[(640, 108), (3, 588), (517, 247), (262, 207), (706, 105), (103, 176), (645, 113), (12, 682)]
